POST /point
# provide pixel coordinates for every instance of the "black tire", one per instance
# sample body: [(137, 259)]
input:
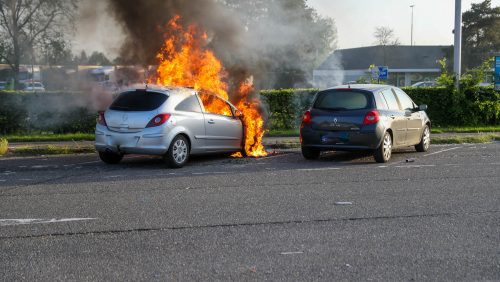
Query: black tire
[(425, 141), (310, 153), (110, 157), (178, 152), (384, 152)]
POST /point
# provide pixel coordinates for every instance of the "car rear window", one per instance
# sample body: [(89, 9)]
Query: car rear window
[(342, 100), (138, 101)]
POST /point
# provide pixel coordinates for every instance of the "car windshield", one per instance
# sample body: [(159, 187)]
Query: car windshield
[(338, 100), (139, 100)]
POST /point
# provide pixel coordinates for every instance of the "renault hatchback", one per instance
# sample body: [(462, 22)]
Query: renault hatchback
[(364, 117), (169, 122)]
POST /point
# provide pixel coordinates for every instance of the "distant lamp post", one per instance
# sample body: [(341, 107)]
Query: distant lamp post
[(412, 6), (457, 57)]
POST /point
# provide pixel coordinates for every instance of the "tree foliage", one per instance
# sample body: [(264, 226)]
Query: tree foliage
[(481, 33), (385, 36), (23, 25)]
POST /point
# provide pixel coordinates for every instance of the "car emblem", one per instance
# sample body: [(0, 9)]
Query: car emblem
[(125, 117), (335, 120)]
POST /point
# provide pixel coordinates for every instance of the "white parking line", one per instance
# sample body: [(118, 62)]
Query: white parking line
[(24, 221), (414, 166), (292, 253), (319, 169), (442, 151)]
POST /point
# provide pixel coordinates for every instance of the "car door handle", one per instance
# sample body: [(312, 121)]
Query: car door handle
[(211, 121)]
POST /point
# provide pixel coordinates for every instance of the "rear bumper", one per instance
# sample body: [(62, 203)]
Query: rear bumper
[(364, 139), (148, 142)]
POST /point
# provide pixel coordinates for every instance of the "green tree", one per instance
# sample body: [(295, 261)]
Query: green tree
[(481, 33), (24, 23), (98, 59)]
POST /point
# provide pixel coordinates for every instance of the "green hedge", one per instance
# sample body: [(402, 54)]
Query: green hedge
[(286, 106), (58, 112), (61, 112), (476, 106)]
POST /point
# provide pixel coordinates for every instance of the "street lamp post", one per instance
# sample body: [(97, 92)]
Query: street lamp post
[(412, 6), (457, 57)]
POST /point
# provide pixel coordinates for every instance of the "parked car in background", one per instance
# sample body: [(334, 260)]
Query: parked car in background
[(33, 86), (425, 84), (170, 122), (364, 117)]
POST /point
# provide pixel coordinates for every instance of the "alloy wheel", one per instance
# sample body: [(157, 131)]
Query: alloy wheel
[(180, 151), (427, 138), (387, 146)]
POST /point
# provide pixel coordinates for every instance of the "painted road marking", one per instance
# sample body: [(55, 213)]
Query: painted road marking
[(24, 221), (414, 166), (292, 253), (442, 151), (343, 203), (319, 169)]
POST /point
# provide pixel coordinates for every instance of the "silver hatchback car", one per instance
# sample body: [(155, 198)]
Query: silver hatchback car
[(169, 122)]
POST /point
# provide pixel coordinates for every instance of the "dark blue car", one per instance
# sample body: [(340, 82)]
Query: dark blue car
[(364, 117)]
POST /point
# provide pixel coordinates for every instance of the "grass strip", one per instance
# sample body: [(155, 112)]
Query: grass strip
[(51, 137), (482, 138), (467, 129), (52, 150)]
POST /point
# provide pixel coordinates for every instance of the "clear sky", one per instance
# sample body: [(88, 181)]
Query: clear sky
[(356, 19)]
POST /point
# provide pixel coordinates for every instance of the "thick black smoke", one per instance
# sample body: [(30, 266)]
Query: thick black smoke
[(143, 23)]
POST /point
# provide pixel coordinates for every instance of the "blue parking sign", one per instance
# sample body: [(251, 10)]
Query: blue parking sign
[(497, 72), (383, 72)]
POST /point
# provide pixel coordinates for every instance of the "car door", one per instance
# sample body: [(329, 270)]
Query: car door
[(190, 116), (396, 116), (224, 132), (413, 118)]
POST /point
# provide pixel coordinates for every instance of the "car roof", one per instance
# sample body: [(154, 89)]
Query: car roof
[(365, 87), (160, 89)]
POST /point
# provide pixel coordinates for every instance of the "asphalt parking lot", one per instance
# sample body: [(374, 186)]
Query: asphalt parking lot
[(423, 216)]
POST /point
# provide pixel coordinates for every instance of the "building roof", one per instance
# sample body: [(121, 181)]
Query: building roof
[(395, 57)]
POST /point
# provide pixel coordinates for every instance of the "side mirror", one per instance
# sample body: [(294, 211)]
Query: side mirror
[(423, 107), (238, 113)]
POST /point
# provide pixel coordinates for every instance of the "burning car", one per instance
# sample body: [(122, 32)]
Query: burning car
[(172, 122)]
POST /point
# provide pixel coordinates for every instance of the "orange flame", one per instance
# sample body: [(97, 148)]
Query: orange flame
[(185, 60)]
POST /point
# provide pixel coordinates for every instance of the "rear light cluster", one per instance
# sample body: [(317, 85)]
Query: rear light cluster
[(158, 120), (101, 120), (306, 118), (371, 117)]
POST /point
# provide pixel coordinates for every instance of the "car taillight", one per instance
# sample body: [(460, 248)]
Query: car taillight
[(371, 117), (158, 120), (306, 118), (101, 120)]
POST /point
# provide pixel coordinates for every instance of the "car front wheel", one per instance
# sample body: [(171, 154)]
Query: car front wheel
[(384, 152), (178, 152), (425, 142)]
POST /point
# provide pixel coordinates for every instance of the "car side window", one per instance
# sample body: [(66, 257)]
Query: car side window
[(215, 105), (190, 104), (381, 103), (406, 102), (391, 100)]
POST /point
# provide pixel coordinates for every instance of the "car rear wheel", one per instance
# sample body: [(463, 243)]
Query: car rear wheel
[(425, 142), (178, 153), (384, 152), (110, 157), (310, 153)]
